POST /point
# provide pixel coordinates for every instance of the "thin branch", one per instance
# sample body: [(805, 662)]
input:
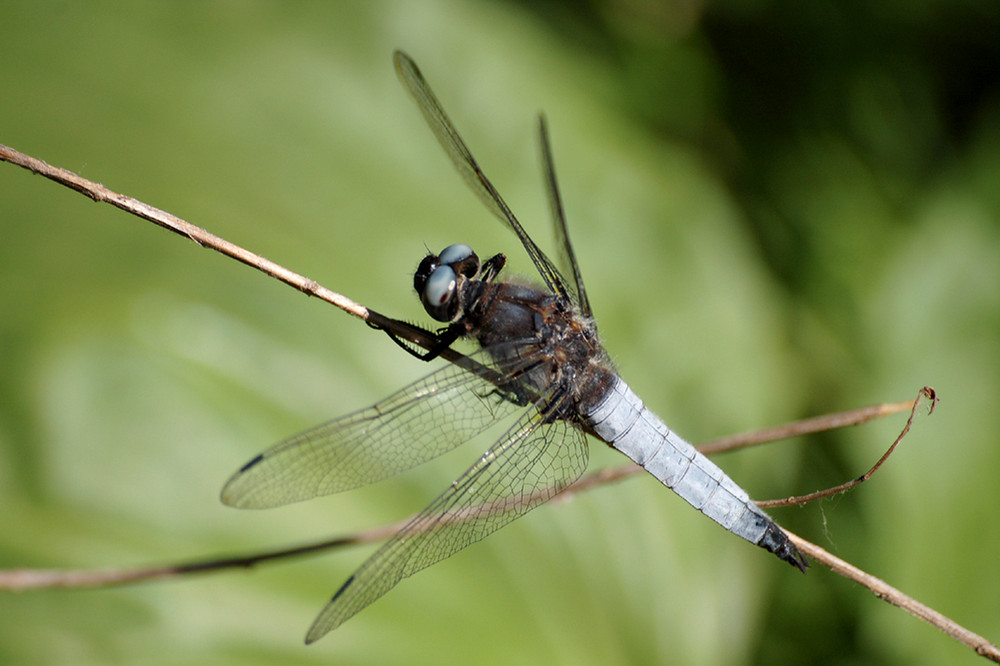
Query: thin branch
[(101, 194), (807, 426), (926, 396), (20, 580), (27, 579), (888, 593)]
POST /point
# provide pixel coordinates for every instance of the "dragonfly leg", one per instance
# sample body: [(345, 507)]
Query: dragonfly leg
[(411, 337), (492, 267)]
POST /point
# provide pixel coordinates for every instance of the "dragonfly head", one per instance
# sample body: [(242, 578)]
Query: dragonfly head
[(439, 279)]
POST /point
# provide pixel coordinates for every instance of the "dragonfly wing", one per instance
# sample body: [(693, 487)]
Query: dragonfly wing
[(417, 423), (531, 463), (567, 256), (466, 164)]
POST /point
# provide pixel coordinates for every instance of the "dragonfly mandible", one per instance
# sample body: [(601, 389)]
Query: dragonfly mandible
[(540, 363)]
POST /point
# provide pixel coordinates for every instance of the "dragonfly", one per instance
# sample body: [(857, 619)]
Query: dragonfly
[(539, 363)]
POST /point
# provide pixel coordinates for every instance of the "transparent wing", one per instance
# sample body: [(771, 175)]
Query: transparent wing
[(467, 166), (531, 463), (417, 423), (567, 256)]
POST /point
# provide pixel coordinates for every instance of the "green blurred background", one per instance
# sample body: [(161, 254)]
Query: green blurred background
[(781, 209)]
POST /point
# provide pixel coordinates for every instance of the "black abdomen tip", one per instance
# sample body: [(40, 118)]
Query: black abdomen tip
[(776, 541)]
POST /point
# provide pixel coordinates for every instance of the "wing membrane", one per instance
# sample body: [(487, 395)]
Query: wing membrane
[(416, 424), (530, 464)]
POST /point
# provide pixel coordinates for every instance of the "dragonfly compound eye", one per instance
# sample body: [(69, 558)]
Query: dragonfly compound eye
[(438, 295), (462, 259)]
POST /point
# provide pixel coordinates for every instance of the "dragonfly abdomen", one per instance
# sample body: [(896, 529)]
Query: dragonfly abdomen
[(622, 420)]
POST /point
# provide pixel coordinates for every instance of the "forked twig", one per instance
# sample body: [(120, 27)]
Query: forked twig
[(25, 579), (926, 393), (28, 579)]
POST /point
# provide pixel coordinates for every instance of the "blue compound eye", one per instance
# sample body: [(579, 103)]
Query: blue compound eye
[(455, 253), (462, 259), (439, 294)]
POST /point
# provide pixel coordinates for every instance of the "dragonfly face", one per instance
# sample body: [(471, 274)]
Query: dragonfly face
[(540, 363), (440, 280)]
